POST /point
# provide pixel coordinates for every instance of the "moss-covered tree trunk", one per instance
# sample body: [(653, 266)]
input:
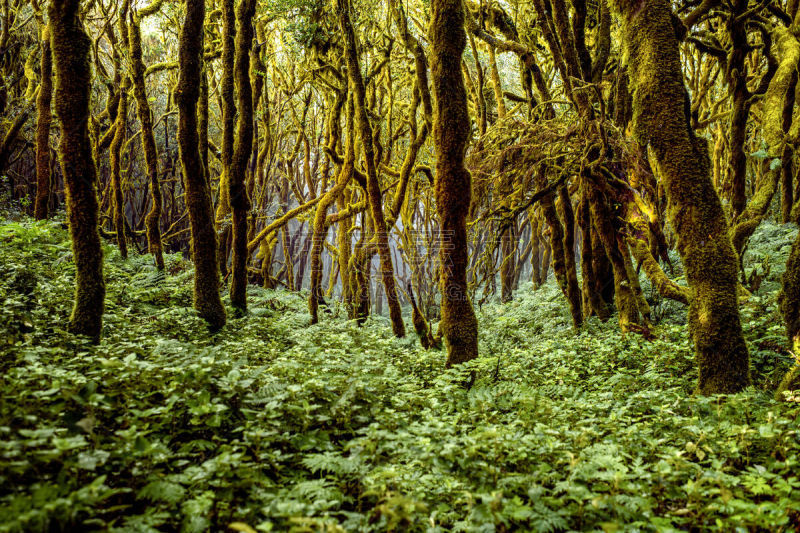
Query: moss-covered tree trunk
[(565, 282), (508, 261), (198, 197), (741, 103), (43, 119), (592, 282), (373, 186), (153, 218), (603, 220), (660, 104), (776, 120), (202, 120), (451, 129), (536, 260), (115, 158), (320, 228), (228, 107), (573, 289), (70, 48), (789, 301), (240, 201)]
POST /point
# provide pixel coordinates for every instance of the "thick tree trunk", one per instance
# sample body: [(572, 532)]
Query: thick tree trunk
[(198, 197), (695, 211), (789, 302), (70, 48), (451, 130)]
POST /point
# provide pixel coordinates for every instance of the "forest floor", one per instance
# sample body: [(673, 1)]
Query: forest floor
[(273, 424)]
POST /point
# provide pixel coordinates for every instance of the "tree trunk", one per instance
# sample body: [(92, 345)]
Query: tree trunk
[(43, 119), (320, 229), (373, 187), (240, 202), (115, 154), (453, 185), (228, 105), (70, 48), (153, 219), (660, 104), (198, 197), (573, 289)]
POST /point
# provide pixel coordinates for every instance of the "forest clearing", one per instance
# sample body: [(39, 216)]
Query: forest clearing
[(402, 265)]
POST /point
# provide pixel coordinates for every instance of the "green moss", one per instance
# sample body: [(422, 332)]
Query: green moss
[(790, 382)]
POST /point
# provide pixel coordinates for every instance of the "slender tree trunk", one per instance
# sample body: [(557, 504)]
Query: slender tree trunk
[(198, 197), (737, 76), (153, 219), (453, 185), (695, 211), (115, 156), (202, 121), (508, 262), (70, 48), (536, 260), (573, 289), (558, 250), (240, 202), (373, 186), (43, 119), (603, 218), (592, 287), (320, 229), (226, 92)]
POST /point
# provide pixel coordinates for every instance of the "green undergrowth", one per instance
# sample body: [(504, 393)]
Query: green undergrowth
[(283, 426)]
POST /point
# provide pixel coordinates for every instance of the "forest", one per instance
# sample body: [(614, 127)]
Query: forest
[(399, 265)]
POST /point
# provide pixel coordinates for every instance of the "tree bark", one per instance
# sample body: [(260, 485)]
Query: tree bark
[(198, 197), (453, 184), (70, 48), (240, 202), (43, 120), (660, 104), (153, 219), (373, 186)]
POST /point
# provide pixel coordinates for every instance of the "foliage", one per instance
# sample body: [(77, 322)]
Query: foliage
[(278, 425)]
